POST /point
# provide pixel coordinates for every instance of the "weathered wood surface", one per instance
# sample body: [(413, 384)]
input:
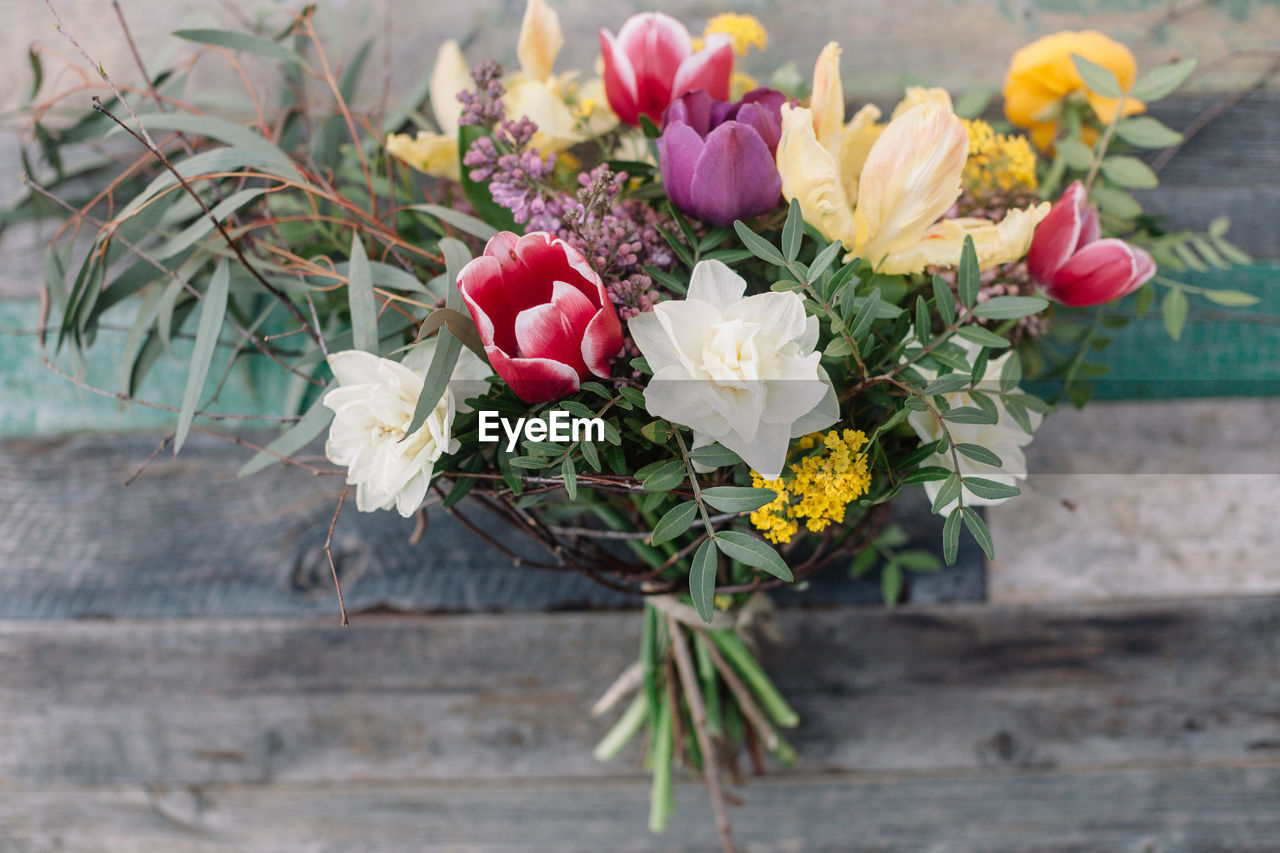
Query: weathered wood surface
[(1135, 810), (1176, 498), (1150, 728), (189, 538), (197, 702)]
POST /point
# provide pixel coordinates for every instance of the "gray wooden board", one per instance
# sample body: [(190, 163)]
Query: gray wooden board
[(189, 538), (1136, 810), (958, 688)]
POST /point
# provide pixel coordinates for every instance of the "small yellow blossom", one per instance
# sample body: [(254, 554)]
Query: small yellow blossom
[(746, 31), (740, 84), (822, 486), (997, 162)]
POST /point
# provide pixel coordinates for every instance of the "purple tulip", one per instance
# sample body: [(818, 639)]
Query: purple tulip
[(717, 158)]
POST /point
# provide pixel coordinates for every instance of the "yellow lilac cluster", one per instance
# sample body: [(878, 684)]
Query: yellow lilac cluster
[(745, 30), (820, 488), (997, 162)]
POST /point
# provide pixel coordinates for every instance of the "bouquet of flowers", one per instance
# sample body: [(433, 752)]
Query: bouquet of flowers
[(689, 334)]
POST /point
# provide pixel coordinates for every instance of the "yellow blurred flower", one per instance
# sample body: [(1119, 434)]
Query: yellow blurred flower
[(437, 153), (746, 32), (820, 489), (883, 190), (1042, 74), (997, 162)]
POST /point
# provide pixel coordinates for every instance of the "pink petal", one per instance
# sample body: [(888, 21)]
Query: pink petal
[(603, 340), (657, 43), (576, 307), (709, 68), (678, 150), (735, 177), (543, 331), (1144, 267), (1090, 227), (534, 380), (1100, 272), (619, 80), (1058, 235), (549, 259), (481, 284)]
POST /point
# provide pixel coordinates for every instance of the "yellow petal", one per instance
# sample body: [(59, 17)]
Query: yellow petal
[(433, 153), (1105, 108), (449, 77), (810, 175), (917, 95), (542, 103), (911, 178), (859, 135), (827, 102), (1042, 72), (540, 40), (995, 243)]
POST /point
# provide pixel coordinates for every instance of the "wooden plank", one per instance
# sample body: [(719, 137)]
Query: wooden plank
[(1158, 500), (965, 688), (202, 542), (1174, 810)]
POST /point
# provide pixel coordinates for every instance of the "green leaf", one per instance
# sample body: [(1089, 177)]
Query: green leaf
[(665, 477), (448, 347), (793, 231), (1129, 172), (1075, 154), (570, 474), (946, 384), (464, 222), (1174, 309), (758, 246), (1146, 132), (863, 562), (927, 474), (315, 421), (978, 529), (212, 312), (967, 276), (968, 415), (1010, 307), (919, 561), (865, 317), (824, 259), (922, 320), (944, 300), (714, 456), (1231, 298), (1162, 81), (982, 337), (951, 538), (1097, 78), (1144, 299), (738, 498), (1011, 373), (891, 584), (990, 489), (702, 580), (364, 307), (837, 348), (590, 454), (1116, 202), (242, 42), (674, 522), (949, 492), (753, 551), (978, 453), (478, 194)]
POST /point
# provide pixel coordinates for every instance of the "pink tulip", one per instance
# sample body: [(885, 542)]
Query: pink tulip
[(1075, 267), (543, 314), (651, 62)]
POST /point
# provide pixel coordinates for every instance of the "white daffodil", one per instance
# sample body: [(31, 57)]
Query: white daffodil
[(1005, 438), (373, 406), (739, 371)]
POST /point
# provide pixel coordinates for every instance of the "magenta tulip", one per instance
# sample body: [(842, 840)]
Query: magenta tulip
[(652, 60), (1076, 268), (717, 158), (543, 314)]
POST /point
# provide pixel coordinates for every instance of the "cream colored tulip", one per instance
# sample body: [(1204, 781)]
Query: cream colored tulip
[(437, 153)]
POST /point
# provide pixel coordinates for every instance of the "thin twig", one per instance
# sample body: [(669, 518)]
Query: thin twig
[(328, 552), (151, 458), (698, 712)]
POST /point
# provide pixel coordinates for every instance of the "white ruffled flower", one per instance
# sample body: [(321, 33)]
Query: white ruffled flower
[(1005, 438), (739, 371), (373, 406)]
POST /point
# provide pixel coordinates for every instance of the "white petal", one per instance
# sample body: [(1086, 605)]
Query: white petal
[(714, 282)]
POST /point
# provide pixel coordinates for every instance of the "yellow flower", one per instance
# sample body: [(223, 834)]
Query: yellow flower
[(746, 31), (740, 84), (997, 162), (881, 191), (821, 487), (1042, 74), (437, 153)]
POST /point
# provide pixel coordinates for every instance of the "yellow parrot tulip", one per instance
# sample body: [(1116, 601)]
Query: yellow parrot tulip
[(882, 190), (437, 153)]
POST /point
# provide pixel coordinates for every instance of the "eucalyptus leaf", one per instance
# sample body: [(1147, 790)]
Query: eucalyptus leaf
[(753, 551), (213, 311)]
